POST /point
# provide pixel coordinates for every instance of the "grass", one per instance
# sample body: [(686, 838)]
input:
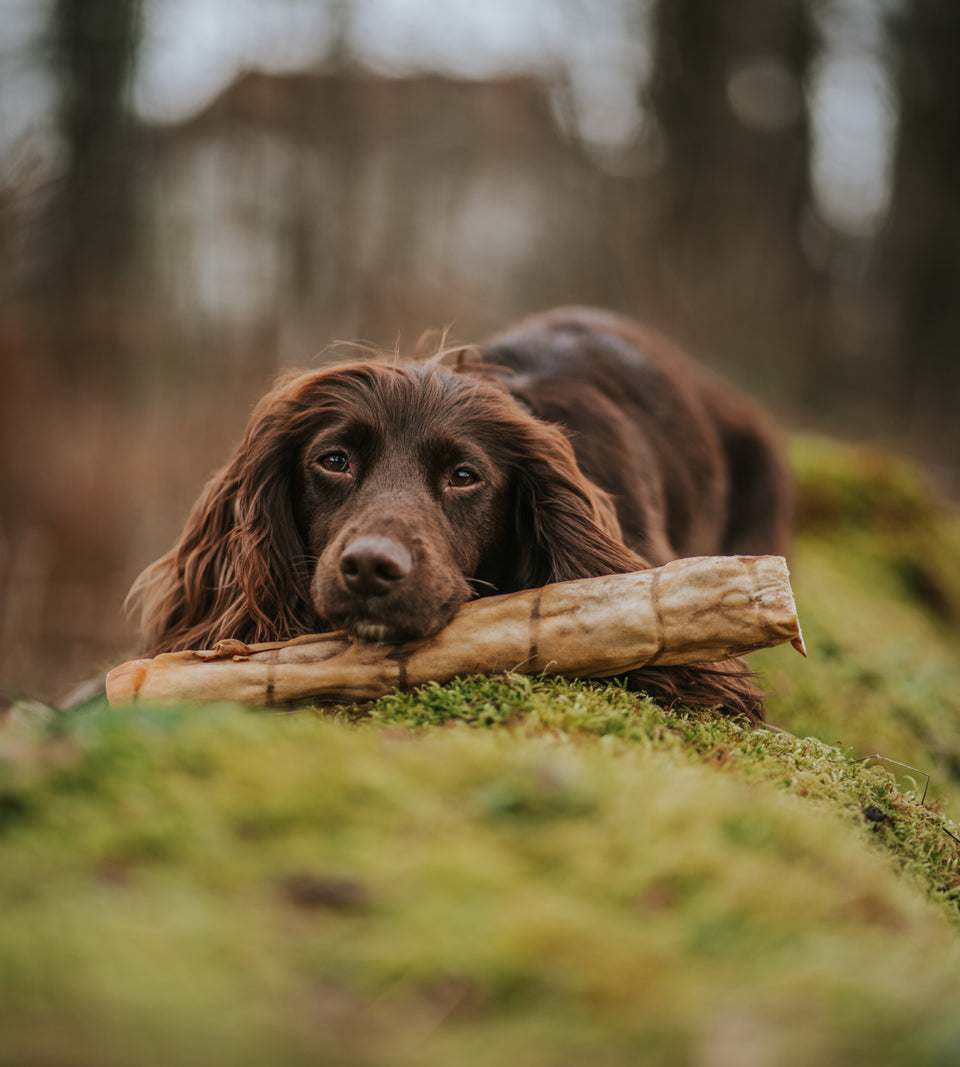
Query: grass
[(518, 870)]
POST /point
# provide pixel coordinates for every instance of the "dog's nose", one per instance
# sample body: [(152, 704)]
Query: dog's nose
[(374, 565)]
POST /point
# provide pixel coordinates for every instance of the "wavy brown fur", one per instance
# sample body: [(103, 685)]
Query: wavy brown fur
[(594, 449)]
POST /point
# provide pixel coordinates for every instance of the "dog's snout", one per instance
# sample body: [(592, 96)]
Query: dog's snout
[(374, 565)]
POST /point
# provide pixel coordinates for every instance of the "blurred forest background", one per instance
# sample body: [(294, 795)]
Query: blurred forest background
[(195, 194)]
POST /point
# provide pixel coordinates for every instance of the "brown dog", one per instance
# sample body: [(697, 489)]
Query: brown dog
[(379, 497)]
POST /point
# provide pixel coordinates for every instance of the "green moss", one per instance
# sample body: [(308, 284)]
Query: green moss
[(518, 870), (535, 871), (884, 670), (876, 513)]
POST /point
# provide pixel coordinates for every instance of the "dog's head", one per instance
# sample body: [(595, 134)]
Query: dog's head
[(378, 497)]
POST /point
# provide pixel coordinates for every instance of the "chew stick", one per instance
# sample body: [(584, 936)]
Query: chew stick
[(693, 610)]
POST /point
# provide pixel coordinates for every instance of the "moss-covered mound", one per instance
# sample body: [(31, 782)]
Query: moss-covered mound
[(518, 871), (876, 573)]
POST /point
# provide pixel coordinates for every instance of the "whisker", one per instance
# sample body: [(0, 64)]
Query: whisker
[(303, 566), (473, 582)]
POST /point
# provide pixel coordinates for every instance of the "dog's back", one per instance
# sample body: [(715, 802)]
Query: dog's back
[(693, 466)]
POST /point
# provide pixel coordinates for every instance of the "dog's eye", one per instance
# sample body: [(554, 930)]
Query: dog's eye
[(335, 462), (462, 477)]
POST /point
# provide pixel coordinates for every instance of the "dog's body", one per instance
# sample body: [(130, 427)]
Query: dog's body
[(379, 497), (692, 467)]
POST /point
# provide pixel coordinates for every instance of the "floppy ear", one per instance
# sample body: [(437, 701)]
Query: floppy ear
[(240, 568), (565, 527)]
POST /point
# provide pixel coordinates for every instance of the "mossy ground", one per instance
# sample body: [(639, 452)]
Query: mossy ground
[(519, 871)]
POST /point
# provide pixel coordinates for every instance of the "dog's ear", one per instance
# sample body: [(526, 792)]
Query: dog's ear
[(565, 527), (240, 568)]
